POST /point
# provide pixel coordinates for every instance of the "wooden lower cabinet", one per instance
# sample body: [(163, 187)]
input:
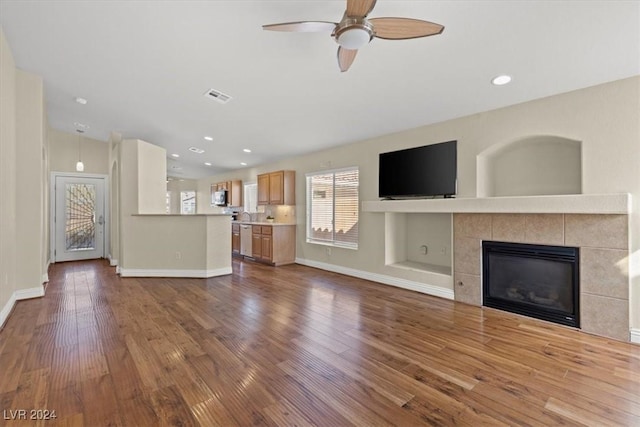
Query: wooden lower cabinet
[(256, 243), (235, 239), (274, 245)]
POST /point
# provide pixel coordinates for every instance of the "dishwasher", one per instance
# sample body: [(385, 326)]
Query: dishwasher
[(245, 240)]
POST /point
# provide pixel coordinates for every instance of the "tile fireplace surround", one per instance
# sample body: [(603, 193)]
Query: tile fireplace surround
[(604, 251)]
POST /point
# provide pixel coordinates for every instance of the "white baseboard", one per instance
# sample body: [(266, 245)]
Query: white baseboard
[(635, 336), (29, 293), (201, 274), (17, 296), (112, 261), (6, 310), (424, 288), (45, 276), (117, 269)]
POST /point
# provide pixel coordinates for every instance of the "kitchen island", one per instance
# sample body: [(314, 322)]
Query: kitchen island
[(166, 245)]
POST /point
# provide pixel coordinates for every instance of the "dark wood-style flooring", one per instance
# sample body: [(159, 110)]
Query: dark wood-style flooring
[(294, 345)]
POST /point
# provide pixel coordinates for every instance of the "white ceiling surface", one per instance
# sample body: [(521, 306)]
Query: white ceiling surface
[(144, 66)]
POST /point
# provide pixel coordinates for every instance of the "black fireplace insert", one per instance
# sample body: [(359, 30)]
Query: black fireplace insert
[(533, 280)]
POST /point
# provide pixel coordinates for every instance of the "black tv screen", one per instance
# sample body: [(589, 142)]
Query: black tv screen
[(426, 171)]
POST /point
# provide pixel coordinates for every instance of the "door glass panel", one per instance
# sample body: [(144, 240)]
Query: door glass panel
[(80, 231)]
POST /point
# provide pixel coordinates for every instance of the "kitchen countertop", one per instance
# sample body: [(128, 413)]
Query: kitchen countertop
[(261, 223), (182, 215)]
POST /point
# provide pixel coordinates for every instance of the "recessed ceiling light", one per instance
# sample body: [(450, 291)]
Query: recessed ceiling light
[(80, 126), (208, 138), (501, 80), (175, 155), (207, 163), (81, 100), (196, 150), (246, 150), (243, 163)]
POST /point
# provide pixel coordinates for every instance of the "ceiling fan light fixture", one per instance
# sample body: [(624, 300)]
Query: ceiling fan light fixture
[(354, 38)]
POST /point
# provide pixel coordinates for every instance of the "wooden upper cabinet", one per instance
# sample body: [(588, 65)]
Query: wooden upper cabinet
[(234, 191), (277, 188), (263, 189)]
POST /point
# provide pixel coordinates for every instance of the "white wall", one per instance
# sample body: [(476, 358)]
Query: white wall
[(142, 188), (114, 200), (175, 186), (7, 173), (605, 118), (152, 178), (30, 179), (23, 187), (64, 153)]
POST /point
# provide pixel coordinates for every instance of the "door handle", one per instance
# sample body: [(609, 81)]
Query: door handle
[(101, 220)]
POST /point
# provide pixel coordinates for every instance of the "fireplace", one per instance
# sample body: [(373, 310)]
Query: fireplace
[(533, 280)]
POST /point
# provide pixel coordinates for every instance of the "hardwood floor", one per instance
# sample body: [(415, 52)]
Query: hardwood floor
[(296, 346)]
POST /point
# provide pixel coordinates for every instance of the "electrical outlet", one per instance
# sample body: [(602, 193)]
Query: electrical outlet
[(424, 249), (327, 251), (178, 255), (443, 250)]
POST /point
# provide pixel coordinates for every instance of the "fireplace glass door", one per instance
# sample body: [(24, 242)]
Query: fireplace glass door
[(533, 280)]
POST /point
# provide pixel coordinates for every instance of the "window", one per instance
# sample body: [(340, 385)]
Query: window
[(333, 208), (251, 197), (187, 202)]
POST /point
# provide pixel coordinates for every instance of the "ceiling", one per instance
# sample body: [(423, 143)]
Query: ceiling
[(144, 66)]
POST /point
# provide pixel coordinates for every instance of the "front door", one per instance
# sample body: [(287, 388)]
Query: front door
[(79, 221)]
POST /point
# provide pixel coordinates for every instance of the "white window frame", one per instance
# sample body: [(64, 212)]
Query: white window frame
[(184, 196), (309, 191)]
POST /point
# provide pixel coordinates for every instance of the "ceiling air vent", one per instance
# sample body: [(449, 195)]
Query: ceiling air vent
[(218, 96), (196, 150)]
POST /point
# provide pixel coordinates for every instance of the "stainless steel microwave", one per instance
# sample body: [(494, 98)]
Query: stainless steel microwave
[(219, 198)]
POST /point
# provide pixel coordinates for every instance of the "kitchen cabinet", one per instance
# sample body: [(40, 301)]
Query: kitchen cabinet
[(277, 188), (263, 189), (235, 239), (234, 191), (256, 243), (275, 245)]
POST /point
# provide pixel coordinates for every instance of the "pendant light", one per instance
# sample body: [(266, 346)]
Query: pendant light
[(79, 165)]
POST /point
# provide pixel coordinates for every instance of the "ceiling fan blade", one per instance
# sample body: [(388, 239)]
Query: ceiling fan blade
[(302, 27), (403, 28), (359, 8), (346, 57)]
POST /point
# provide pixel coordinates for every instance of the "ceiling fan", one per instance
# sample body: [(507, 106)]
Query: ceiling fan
[(355, 30)]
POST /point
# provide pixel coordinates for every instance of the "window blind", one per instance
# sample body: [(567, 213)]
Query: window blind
[(333, 207)]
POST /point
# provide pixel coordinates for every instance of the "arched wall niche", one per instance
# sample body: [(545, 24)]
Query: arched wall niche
[(539, 165)]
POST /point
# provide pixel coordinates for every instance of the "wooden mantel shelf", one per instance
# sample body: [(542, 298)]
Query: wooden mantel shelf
[(566, 203)]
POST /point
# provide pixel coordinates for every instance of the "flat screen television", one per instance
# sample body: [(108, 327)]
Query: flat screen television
[(427, 171)]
